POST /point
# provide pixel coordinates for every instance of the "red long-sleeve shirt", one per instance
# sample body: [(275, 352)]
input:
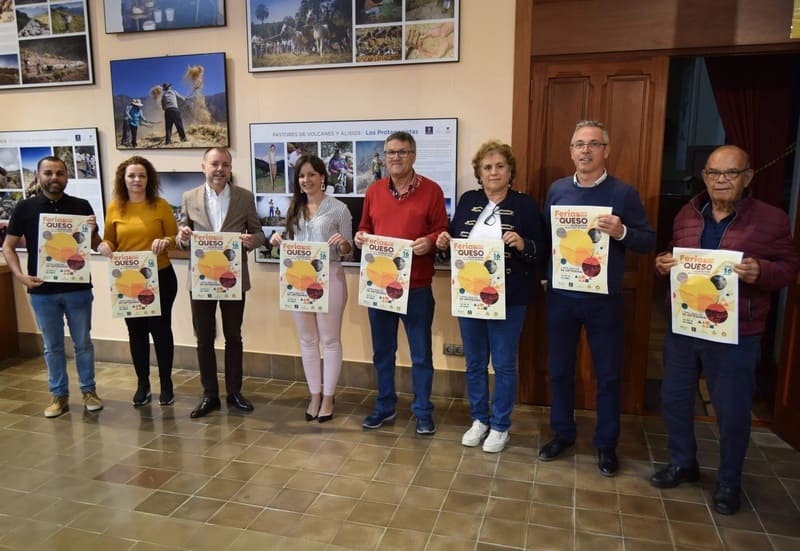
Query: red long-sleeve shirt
[(420, 214)]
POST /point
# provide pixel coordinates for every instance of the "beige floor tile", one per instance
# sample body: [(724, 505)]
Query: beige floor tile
[(147, 479)]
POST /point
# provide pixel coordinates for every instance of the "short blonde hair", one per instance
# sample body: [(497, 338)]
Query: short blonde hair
[(494, 146)]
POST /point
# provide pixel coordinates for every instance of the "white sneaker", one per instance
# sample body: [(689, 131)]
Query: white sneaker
[(475, 434), (496, 441)]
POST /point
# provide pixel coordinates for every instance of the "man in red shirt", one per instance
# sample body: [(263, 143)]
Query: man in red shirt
[(405, 205)]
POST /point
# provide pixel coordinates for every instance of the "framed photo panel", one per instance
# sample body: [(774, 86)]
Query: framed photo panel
[(133, 16), (44, 44), (317, 34), (176, 101), (353, 154), (173, 186), (20, 153)]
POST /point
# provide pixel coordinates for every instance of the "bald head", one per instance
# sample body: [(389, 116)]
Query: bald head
[(727, 174)]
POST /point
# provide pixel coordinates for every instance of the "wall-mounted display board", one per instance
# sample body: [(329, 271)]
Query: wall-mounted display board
[(319, 34), (133, 16), (353, 154), (44, 43), (20, 153), (178, 101)]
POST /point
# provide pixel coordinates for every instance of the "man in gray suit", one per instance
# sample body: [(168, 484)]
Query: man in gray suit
[(220, 206)]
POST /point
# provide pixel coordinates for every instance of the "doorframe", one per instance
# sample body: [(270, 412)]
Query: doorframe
[(524, 58)]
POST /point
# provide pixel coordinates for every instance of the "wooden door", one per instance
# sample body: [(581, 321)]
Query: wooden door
[(787, 399), (629, 96)]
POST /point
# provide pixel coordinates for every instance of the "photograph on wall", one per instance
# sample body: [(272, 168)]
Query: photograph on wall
[(169, 102), (44, 44), (175, 184), (133, 16), (270, 166), (354, 158), (20, 152), (317, 34)]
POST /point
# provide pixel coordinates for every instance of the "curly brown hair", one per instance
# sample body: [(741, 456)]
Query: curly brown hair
[(151, 190), (494, 146)]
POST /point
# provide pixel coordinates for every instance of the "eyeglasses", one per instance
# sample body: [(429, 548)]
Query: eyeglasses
[(402, 153), (592, 145), (492, 218), (727, 175)]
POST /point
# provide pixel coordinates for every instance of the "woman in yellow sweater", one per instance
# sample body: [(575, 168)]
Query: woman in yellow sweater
[(139, 220)]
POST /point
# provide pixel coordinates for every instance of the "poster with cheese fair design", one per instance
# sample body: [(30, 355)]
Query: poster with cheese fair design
[(216, 266), (385, 274), (65, 243), (704, 292), (477, 279), (580, 250), (134, 284), (304, 281)]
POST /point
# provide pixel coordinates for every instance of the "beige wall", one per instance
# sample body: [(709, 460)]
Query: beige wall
[(477, 90)]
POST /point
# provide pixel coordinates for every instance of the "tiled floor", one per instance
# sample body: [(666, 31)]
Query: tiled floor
[(152, 478)]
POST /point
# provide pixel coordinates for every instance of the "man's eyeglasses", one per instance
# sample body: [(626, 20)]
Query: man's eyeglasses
[(402, 153), (492, 218), (591, 145), (727, 175)]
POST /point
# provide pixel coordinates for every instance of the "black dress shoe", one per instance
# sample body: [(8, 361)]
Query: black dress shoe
[(672, 475), (727, 500), (607, 461), (239, 402), (206, 406), (553, 448)]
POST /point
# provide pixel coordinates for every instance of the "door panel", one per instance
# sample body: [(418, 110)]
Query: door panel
[(787, 400), (630, 97)]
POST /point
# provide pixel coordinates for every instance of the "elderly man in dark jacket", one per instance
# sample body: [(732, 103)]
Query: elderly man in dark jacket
[(725, 216)]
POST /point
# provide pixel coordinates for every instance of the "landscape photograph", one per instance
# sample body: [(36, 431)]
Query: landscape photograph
[(55, 60), (182, 99)]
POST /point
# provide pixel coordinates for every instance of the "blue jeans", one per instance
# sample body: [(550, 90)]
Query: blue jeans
[(417, 321), (500, 340), (730, 373), (50, 311), (601, 316)]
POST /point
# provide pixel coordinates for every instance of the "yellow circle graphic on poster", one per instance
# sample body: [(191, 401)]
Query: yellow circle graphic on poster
[(301, 274), (576, 246), (382, 271), (213, 264), (130, 283), (473, 277), (698, 292), (61, 246)]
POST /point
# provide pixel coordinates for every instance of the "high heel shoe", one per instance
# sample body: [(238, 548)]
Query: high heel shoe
[(310, 417), (326, 418)]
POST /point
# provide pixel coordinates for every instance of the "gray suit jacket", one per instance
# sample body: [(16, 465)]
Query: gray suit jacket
[(241, 216)]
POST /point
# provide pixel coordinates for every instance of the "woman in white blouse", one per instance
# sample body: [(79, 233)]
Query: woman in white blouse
[(315, 216)]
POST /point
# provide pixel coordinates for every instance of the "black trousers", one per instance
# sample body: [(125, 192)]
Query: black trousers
[(204, 319), (160, 327), (173, 117)]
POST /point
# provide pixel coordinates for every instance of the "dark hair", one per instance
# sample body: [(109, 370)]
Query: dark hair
[(494, 146), (52, 159), (299, 201), (402, 136), (151, 190)]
